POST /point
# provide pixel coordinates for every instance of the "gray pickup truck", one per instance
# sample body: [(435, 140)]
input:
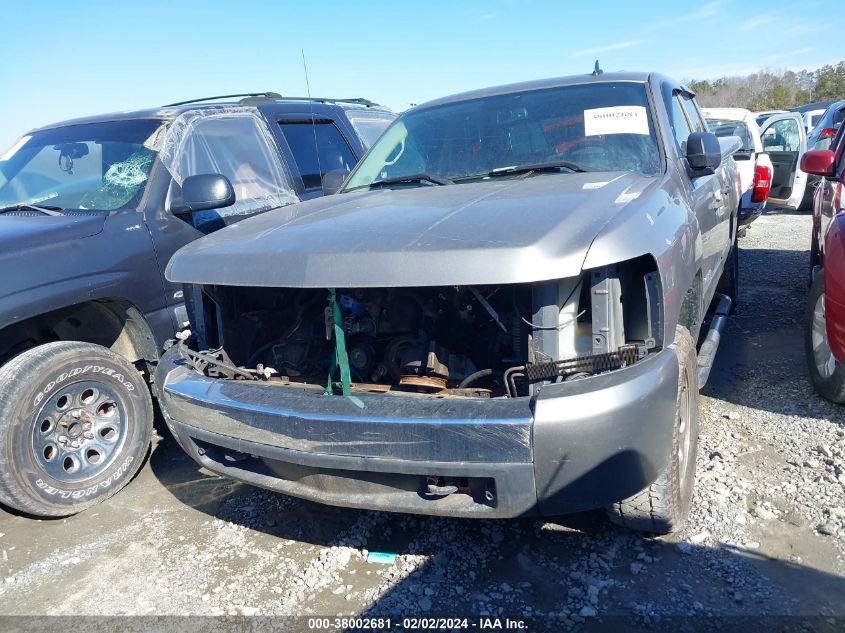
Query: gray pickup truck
[(496, 316)]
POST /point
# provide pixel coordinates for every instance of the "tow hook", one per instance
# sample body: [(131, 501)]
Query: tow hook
[(441, 491), (436, 487)]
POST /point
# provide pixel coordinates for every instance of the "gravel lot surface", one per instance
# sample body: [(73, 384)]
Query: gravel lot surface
[(766, 535)]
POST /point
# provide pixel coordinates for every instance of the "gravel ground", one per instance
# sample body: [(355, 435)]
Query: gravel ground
[(766, 535)]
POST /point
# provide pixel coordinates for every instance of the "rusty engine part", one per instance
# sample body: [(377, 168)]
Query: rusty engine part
[(579, 366), (425, 340)]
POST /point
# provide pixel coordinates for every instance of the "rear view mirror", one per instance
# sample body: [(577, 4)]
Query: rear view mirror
[(204, 192), (72, 150), (704, 153), (333, 181), (819, 162)]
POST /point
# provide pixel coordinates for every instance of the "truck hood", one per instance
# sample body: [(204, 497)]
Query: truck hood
[(23, 233), (489, 232)]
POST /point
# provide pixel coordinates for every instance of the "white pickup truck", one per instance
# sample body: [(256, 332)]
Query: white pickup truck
[(753, 164)]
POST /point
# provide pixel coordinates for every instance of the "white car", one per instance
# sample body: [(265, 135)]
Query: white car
[(784, 139), (753, 164)]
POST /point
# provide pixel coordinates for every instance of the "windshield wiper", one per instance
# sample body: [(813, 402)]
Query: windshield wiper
[(46, 210), (436, 180), (522, 169)]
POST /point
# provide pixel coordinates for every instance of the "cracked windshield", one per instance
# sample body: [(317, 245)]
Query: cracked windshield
[(96, 167)]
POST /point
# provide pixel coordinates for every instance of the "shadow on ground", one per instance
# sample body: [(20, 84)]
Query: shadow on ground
[(530, 569), (761, 363)]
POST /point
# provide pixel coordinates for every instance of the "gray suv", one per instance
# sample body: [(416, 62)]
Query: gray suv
[(90, 212)]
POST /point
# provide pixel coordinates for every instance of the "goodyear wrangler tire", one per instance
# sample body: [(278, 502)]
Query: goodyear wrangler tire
[(663, 506), (75, 425)]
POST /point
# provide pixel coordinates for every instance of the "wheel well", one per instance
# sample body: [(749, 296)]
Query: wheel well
[(112, 323)]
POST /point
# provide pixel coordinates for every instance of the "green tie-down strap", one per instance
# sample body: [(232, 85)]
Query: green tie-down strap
[(340, 358)]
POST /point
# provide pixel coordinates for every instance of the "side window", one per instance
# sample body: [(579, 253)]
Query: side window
[(370, 124), (680, 125), (693, 114), (317, 149), (782, 136), (237, 145)]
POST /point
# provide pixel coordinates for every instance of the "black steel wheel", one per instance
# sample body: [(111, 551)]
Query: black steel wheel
[(75, 426)]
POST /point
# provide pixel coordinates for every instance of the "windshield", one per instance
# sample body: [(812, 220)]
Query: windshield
[(726, 127), (598, 127), (97, 166)]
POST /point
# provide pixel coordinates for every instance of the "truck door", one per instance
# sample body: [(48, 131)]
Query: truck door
[(234, 142), (706, 192), (785, 140)]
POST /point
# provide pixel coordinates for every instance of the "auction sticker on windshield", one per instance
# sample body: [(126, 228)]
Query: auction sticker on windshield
[(616, 120)]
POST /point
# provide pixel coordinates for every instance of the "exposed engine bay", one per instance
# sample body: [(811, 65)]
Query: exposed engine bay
[(483, 342)]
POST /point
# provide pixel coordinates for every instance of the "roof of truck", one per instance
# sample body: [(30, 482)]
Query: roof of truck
[(816, 105), (171, 111), (730, 114), (540, 84)]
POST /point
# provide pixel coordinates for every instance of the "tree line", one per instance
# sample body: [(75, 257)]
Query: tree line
[(773, 89)]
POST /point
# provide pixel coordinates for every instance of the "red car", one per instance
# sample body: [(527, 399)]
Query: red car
[(824, 334)]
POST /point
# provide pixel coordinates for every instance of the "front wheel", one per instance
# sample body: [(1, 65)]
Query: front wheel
[(75, 424), (826, 373), (663, 506)]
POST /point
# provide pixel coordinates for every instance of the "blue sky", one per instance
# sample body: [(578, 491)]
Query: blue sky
[(60, 60)]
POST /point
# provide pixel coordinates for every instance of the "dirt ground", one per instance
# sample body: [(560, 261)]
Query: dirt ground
[(765, 537)]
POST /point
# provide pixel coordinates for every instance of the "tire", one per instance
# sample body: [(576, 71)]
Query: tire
[(826, 373), (729, 281), (815, 258), (806, 203), (663, 506), (75, 425)]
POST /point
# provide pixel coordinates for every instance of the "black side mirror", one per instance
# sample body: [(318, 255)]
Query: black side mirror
[(203, 192), (704, 153), (333, 181)]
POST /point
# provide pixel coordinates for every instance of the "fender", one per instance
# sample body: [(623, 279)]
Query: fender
[(117, 265), (664, 227), (834, 286)]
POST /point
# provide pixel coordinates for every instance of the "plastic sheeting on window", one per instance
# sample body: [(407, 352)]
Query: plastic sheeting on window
[(234, 142)]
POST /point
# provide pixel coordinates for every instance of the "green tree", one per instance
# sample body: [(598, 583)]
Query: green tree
[(773, 89), (830, 82)]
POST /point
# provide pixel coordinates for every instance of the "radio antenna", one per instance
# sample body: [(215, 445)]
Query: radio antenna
[(313, 121)]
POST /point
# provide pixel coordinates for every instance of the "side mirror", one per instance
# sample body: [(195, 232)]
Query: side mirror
[(704, 153), (333, 181), (819, 162), (203, 192)]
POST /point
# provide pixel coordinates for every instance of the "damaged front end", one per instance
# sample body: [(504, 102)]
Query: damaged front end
[(489, 400), (458, 341)]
